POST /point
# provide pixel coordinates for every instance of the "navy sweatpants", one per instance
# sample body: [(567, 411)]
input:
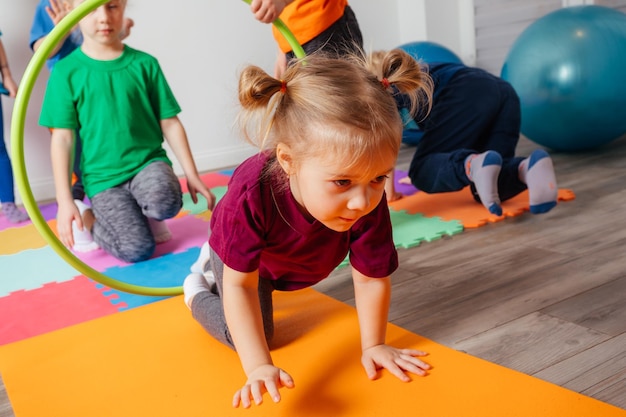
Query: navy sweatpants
[(473, 112)]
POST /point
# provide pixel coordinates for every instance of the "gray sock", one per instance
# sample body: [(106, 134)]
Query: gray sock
[(483, 170), (537, 172)]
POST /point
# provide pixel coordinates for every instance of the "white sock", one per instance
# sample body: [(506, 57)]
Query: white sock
[(202, 265), (83, 240), (193, 285)]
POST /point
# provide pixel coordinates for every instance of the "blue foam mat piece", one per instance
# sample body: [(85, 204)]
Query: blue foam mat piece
[(166, 271), (32, 269)]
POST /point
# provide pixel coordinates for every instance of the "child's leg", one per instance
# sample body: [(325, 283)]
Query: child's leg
[(208, 310), (457, 126), (483, 170), (7, 194), (503, 134), (157, 191), (120, 228)]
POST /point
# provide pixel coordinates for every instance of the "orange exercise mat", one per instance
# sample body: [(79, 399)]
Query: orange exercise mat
[(157, 361)]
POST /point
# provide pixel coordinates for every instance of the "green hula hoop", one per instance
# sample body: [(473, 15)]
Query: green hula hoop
[(17, 149)]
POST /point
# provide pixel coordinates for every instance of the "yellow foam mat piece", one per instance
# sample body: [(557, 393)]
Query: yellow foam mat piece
[(17, 239), (156, 360)]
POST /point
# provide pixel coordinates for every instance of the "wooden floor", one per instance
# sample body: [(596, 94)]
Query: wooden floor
[(545, 295)]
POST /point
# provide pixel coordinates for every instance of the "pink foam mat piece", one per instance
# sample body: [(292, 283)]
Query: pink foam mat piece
[(53, 306), (187, 232)]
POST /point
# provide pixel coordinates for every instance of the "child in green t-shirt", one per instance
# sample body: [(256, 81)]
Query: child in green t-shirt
[(122, 105)]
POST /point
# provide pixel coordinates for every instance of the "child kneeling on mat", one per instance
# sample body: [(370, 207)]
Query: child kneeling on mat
[(329, 135), (122, 105), (470, 138)]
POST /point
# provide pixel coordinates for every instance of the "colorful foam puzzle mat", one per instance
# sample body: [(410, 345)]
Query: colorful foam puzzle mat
[(155, 360), (417, 218), (76, 323)]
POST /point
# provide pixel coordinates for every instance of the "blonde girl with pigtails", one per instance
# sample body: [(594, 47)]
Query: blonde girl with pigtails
[(328, 135)]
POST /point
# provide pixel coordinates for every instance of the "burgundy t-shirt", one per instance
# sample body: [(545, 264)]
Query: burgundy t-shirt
[(257, 225)]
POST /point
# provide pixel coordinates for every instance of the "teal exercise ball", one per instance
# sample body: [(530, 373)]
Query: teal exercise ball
[(568, 70), (429, 52)]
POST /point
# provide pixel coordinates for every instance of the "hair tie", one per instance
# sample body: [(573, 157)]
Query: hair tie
[(385, 82), (283, 86)]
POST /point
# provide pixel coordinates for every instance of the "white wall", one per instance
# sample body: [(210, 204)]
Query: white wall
[(201, 45)]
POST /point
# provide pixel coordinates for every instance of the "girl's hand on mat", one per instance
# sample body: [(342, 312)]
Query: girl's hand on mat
[(396, 361), (265, 378)]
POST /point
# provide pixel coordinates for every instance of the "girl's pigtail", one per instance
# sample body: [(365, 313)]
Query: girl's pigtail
[(258, 98), (257, 88), (399, 69)]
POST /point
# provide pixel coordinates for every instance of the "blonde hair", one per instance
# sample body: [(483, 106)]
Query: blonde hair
[(332, 106)]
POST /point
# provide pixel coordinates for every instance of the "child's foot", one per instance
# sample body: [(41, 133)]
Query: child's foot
[(537, 172), (202, 265), (14, 214), (160, 231), (83, 240), (483, 170), (196, 283)]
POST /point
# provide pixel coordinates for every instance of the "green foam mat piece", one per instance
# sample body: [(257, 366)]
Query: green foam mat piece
[(200, 207), (410, 230)]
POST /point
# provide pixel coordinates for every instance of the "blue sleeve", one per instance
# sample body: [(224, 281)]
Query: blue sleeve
[(42, 24)]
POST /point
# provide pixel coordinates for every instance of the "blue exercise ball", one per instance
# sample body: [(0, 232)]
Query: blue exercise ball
[(429, 52), (568, 70)]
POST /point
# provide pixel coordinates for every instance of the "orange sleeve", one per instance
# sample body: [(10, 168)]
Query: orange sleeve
[(308, 18)]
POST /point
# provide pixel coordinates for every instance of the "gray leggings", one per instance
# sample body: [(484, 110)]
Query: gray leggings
[(122, 212), (207, 307)]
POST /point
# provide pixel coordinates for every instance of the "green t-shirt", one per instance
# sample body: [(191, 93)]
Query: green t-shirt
[(117, 107)]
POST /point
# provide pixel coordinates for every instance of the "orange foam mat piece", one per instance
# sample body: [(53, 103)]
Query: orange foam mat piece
[(461, 206), (156, 360)]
